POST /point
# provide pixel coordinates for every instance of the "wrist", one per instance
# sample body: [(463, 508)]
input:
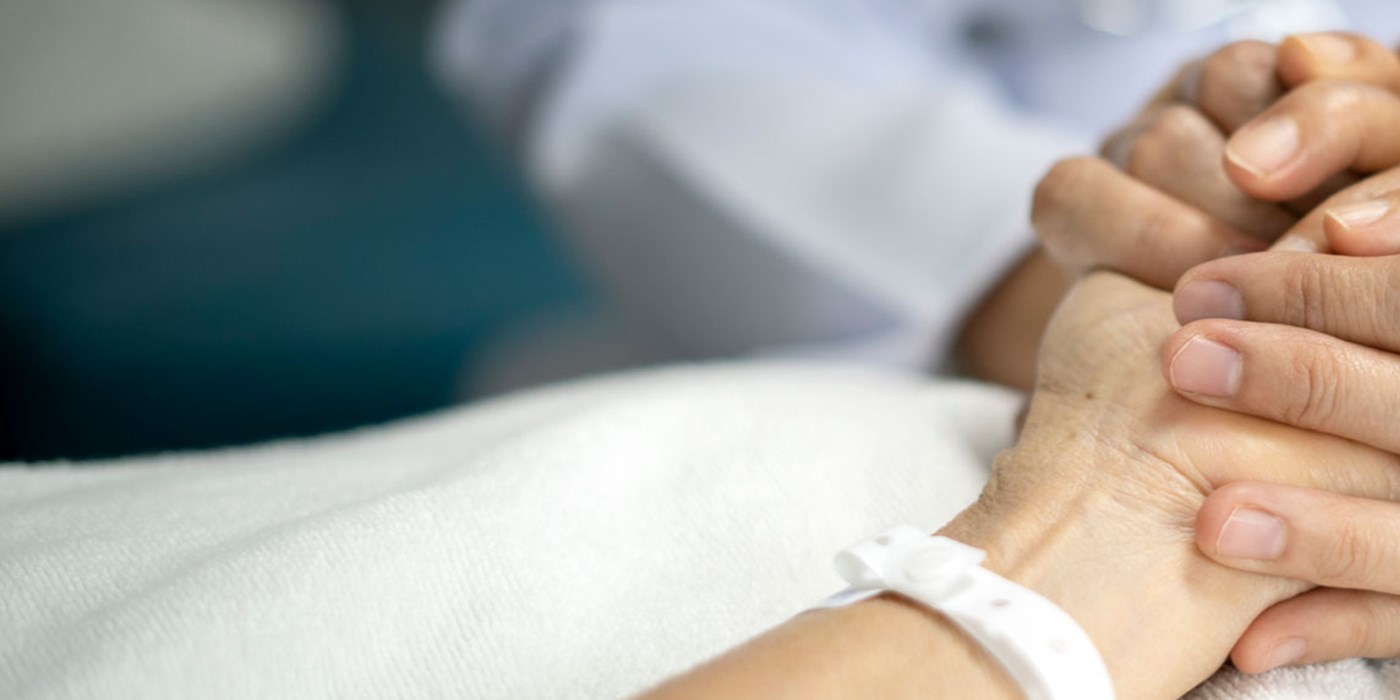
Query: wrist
[(922, 653), (1125, 567), (881, 648)]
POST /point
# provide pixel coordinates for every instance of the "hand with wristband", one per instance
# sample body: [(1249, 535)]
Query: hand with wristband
[(1091, 513)]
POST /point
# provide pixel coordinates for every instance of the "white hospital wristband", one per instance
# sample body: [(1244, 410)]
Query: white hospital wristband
[(1046, 652)]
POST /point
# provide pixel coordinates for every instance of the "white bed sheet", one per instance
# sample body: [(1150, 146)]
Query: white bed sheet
[(577, 542)]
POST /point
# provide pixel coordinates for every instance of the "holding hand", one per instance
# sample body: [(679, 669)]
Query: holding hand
[(1308, 340), (1161, 199), (1173, 191)]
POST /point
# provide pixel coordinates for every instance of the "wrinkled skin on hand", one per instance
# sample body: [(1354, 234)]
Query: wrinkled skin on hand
[(1108, 476), (1100, 371)]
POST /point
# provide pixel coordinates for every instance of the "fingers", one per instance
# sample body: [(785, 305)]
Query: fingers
[(1327, 624), (1315, 231), (1318, 369), (1353, 299), (1288, 375), (1314, 536), (1341, 56), (1235, 84), (1238, 83), (1178, 151), (1237, 448), (1366, 228), (1091, 215), (1335, 57), (1313, 133), (1350, 545)]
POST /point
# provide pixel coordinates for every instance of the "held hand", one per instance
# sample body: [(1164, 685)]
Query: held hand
[(1112, 469), (1166, 203), (1092, 509)]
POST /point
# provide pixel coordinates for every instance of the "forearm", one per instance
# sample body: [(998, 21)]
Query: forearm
[(884, 648), (1163, 616)]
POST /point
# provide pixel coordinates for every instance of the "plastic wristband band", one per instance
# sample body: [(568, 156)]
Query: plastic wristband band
[(1043, 649)]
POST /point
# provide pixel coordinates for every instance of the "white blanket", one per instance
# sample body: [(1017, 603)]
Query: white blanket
[(579, 542)]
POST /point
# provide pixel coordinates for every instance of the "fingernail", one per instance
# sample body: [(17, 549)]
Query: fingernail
[(1251, 534), (1264, 148), (1200, 299), (1361, 214), (1286, 652), (1329, 47), (1207, 368)]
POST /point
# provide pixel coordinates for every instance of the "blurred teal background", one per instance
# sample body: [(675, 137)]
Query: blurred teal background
[(339, 279)]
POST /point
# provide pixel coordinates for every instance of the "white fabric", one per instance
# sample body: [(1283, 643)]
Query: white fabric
[(580, 542)]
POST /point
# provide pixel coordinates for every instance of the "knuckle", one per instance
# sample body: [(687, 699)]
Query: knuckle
[(1163, 141), (1302, 301), (1237, 63), (1380, 636), (1364, 312), (1176, 123), (1172, 238), (1247, 55), (1357, 632), (1390, 276), (1055, 195), (1339, 103), (1387, 307), (1238, 82), (1118, 146), (1155, 228), (1352, 298), (1349, 560), (1332, 97), (1315, 398)]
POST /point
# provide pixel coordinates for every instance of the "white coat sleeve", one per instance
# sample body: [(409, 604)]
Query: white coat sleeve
[(741, 176)]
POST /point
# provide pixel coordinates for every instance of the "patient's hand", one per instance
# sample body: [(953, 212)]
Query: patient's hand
[(1223, 160), (1096, 508), (1095, 505), (1092, 508)]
